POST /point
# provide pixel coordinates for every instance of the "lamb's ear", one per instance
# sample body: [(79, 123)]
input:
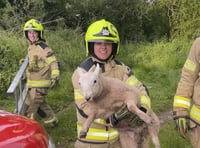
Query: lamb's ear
[(80, 72), (97, 69)]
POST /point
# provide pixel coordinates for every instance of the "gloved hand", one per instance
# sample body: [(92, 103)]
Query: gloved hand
[(33, 65), (182, 126), (53, 83), (122, 113), (21, 61), (119, 115)]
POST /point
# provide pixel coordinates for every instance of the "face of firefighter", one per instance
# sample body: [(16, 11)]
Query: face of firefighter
[(102, 50), (32, 36)]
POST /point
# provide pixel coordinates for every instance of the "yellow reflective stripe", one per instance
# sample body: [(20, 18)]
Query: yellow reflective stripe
[(132, 80), (55, 72), (195, 113), (100, 121), (78, 94), (189, 65), (38, 83), (50, 59), (181, 102), (100, 134), (145, 100)]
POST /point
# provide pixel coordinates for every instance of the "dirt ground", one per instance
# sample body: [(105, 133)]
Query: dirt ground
[(165, 117)]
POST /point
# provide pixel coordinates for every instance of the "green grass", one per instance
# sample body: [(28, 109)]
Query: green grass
[(169, 137), (157, 64)]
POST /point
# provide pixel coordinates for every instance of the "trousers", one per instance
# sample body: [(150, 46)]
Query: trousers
[(37, 104)]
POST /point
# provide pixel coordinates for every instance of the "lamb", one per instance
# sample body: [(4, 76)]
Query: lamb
[(105, 95)]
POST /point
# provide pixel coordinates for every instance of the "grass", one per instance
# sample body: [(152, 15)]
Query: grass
[(158, 65), (169, 137)]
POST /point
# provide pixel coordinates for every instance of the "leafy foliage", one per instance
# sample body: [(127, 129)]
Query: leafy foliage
[(10, 56), (136, 19), (184, 18)]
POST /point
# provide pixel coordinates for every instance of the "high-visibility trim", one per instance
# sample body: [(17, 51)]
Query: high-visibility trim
[(100, 121), (195, 113), (100, 134), (38, 83), (50, 59), (132, 80), (145, 100), (55, 72), (78, 94), (182, 102), (190, 65)]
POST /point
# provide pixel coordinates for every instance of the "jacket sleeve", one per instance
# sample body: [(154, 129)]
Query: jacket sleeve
[(78, 97), (131, 79), (185, 88), (52, 61)]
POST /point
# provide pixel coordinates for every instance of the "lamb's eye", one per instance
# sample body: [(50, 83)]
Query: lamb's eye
[(95, 81)]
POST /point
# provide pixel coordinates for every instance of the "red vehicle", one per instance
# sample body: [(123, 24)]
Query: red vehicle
[(17, 131)]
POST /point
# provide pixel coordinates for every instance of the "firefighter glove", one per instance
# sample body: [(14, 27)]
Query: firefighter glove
[(33, 66), (182, 126), (124, 113), (119, 115), (53, 83), (21, 61)]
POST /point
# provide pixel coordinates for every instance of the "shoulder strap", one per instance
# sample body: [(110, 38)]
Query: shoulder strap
[(43, 45), (87, 64)]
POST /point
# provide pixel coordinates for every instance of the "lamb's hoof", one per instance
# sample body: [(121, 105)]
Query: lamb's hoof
[(83, 134)]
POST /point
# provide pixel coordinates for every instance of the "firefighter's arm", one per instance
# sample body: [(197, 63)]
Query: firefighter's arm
[(53, 63), (131, 80), (185, 89), (145, 101), (81, 104)]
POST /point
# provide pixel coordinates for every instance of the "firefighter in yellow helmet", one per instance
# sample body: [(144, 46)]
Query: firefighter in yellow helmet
[(186, 105), (42, 73), (102, 45)]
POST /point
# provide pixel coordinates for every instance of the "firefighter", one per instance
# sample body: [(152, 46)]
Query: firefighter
[(186, 105), (102, 45), (42, 74)]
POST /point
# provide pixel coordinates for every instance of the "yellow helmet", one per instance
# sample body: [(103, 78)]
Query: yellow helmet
[(102, 31), (33, 24)]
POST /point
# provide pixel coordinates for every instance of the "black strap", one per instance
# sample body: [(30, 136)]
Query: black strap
[(43, 45), (88, 63), (81, 112), (91, 142)]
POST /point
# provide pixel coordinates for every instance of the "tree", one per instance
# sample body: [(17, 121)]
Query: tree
[(184, 18)]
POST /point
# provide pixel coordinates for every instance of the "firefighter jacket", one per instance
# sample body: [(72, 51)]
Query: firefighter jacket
[(187, 98), (99, 131), (42, 66)]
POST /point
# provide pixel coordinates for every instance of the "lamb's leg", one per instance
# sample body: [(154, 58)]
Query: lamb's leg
[(154, 129), (86, 125), (134, 109), (126, 140), (154, 136)]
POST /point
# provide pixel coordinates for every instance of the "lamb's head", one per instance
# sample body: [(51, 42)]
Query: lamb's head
[(90, 84)]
